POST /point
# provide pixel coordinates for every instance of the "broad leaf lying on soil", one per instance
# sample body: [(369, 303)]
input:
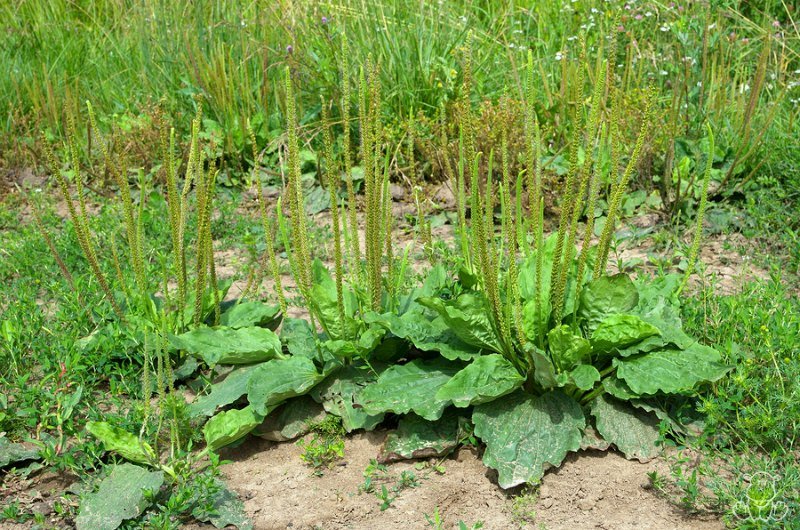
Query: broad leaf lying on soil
[(11, 453), (291, 420), (525, 434), (121, 496), (338, 393), (633, 431), (410, 387), (229, 346), (487, 378), (120, 441), (227, 508), (419, 438)]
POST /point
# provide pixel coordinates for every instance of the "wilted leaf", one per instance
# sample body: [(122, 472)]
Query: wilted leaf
[(290, 420), (633, 431), (337, 395), (524, 435), (223, 393), (249, 314), (275, 381), (619, 331), (409, 387), (120, 441), (606, 296), (229, 346), (121, 496), (484, 379), (671, 371), (229, 426), (419, 438)]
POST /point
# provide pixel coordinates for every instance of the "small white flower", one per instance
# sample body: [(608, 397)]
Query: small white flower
[(664, 28), (663, 72), (648, 14), (712, 26), (559, 56)]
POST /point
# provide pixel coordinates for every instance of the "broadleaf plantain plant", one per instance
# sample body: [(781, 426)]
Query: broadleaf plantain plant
[(534, 342)]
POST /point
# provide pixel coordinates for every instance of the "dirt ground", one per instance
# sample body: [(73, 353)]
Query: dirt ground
[(591, 490)]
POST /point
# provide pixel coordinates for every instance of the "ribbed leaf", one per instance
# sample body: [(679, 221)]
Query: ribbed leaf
[(223, 393), (619, 331), (633, 431), (524, 435), (426, 334), (120, 441), (671, 371), (249, 314), (410, 387), (121, 496), (229, 346), (486, 378), (567, 348), (290, 420), (606, 296), (468, 317), (419, 438), (275, 381), (16, 452), (337, 394), (229, 426)]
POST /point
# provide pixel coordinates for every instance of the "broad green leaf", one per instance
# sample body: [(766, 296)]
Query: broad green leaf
[(366, 343), (325, 304), (229, 426), (299, 338), (223, 393), (275, 381), (121, 496), (227, 509), (16, 452), (666, 318), (468, 317), (671, 371), (290, 420), (426, 334), (619, 331), (606, 296), (567, 349), (337, 394), (419, 438), (544, 373), (249, 314), (120, 441), (229, 346), (486, 378), (633, 431), (527, 271), (618, 388), (410, 387), (534, 323), (584, 376), (524, 435), (435, 282)]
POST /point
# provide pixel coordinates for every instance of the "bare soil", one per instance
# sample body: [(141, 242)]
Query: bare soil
[(591, 490)]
